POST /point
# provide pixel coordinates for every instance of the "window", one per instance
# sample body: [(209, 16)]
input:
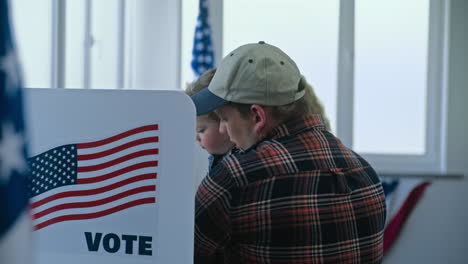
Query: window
[(108, 44), (390, 70), (71, 44), (75, 39), (189, 20), (399, 126), (33, 20)]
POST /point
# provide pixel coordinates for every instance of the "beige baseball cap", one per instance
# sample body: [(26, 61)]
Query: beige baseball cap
[(256, 73)]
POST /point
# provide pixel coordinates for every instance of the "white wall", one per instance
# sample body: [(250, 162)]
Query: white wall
[(156, 38), (437, 231)]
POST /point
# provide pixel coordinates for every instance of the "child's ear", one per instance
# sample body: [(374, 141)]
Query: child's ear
[(259, 118)]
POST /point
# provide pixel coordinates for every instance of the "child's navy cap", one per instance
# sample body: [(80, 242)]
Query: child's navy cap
[(205, 101)]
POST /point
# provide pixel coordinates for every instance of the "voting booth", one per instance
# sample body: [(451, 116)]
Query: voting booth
[(112, 175)]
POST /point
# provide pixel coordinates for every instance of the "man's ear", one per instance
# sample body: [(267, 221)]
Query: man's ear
[(259, 117)]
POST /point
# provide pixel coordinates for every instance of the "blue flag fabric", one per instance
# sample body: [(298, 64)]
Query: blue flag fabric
[(13, 166), (389, 186), (203, 56)]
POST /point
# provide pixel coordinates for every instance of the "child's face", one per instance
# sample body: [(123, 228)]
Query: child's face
[(210, 138)]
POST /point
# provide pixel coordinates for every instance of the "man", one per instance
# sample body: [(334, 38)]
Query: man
[(293, 193)]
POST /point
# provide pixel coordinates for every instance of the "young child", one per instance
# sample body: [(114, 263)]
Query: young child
[(216, 143)]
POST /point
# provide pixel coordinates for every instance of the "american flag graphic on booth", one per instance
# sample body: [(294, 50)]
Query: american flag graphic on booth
[(90, 180)]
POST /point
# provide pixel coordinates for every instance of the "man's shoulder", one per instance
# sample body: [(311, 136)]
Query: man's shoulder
[(268, 158), (309, 151), (285, 150)]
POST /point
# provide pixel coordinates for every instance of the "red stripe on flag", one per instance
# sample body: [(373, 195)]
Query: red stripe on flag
[(118, 148), (109, 199), (118, 160), (96, 214), (94, 191), (117, 137), (396, 223), (113, 174)]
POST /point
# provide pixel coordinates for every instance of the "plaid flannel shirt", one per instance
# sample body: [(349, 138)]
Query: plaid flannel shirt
[(300, 196)]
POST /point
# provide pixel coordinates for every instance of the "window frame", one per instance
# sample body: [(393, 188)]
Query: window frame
[(433, 161), (58, 45)]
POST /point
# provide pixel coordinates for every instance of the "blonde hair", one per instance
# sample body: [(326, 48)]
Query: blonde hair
[(314, 106), (201, 83)]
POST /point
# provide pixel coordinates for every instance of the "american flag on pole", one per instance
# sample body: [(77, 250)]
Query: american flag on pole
[(94, 179), (15, 223), (203, 56)]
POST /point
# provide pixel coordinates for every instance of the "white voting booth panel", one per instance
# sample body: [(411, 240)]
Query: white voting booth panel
[(112, 175)]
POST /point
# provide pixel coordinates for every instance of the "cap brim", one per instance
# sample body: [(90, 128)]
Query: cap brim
[(205, 101)]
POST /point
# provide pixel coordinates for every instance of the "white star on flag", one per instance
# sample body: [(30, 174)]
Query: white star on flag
[(11, 155), (9, 64)]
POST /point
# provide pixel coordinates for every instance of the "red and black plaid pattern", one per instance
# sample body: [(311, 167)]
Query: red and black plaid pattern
[(299, 197)]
